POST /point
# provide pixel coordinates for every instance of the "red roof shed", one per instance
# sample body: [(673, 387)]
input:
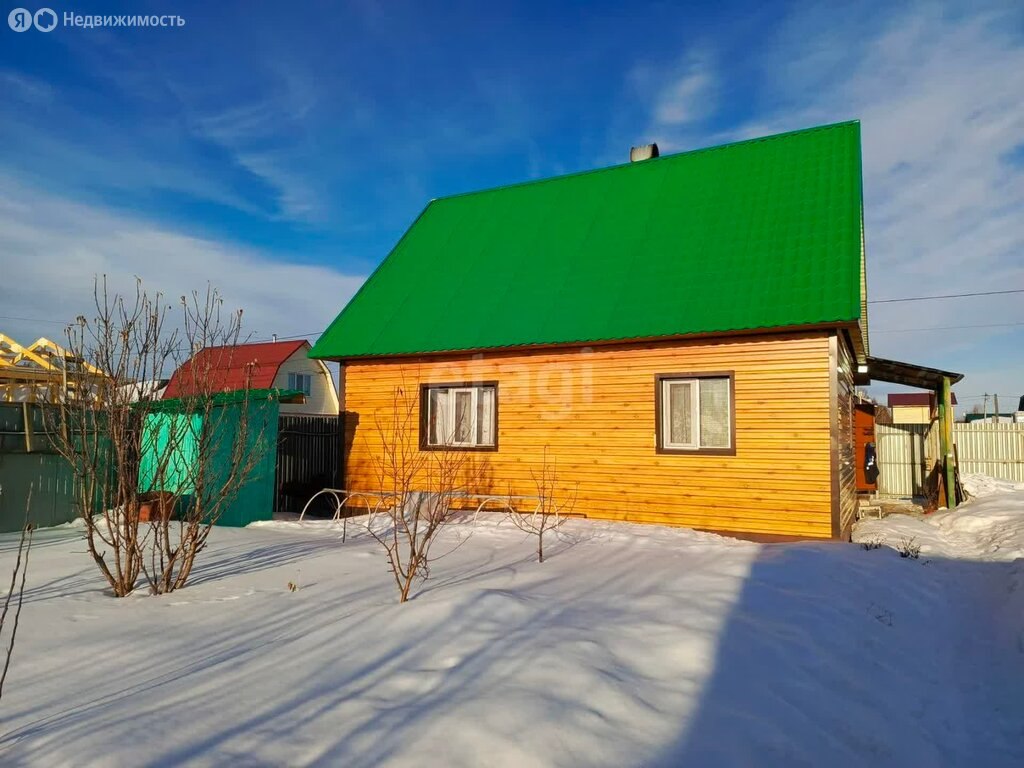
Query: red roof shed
[(231, 368), (916, 398)]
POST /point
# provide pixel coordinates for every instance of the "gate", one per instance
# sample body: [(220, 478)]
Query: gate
[(906, 454), (308, 459)]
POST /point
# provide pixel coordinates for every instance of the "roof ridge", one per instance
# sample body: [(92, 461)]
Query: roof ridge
[(282, 342), (672, 156)]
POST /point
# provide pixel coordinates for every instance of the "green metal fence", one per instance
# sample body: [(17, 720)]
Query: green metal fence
[(173, 428), (29, 465)]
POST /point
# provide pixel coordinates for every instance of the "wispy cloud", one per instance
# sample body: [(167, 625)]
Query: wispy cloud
[(680, 95), (688, 98), (23, 88), (267, 133), (53, 248)]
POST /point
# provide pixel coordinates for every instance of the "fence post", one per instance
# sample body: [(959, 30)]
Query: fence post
[(946, 424), (26, 415)]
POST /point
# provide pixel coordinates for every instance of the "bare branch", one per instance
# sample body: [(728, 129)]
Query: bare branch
[(422, 487), (18, 574), (550, 512)]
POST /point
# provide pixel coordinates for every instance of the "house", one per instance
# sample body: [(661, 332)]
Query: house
[(270, 365), (915, 407), (39, 373), (680, 336)]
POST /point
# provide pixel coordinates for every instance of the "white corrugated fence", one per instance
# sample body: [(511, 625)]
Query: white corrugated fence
[(991, 449), (907, 452)]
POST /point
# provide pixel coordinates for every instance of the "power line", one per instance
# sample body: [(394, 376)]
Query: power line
[(946, 296), (946, 328), (32, 320)]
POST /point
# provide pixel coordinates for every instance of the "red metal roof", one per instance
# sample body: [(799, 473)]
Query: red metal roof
[(231, 368), (916, 398)]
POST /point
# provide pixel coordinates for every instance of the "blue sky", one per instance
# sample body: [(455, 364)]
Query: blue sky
[(280, 149)]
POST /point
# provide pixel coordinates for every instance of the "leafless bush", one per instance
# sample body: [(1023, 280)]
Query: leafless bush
[(16, 593), (550, 512), (870, 544), (908, 547), (420, 487), (152, 477)]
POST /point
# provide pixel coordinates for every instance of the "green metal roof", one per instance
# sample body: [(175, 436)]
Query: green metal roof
[(758, 234)]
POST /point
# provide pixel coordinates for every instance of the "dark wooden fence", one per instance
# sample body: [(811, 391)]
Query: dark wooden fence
[(308, 459)]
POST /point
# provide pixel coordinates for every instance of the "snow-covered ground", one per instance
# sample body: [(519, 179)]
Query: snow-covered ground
[(630, 646), (990, 527)]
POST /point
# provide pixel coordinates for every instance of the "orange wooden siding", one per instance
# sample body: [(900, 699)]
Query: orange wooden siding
[(594, 410), (846, 453)]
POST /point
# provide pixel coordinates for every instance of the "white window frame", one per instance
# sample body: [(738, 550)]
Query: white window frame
[(298, 379), (665, 382), (666, 415), (452, 392), (453, 399)]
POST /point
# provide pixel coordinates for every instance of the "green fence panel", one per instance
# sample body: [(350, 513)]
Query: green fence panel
[(255, 498), (179, 439), (49, 479), (169, 452)]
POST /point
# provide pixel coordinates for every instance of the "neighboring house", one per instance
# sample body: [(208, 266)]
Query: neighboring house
[(39, 372), (915, 407), (678, 336), (270, 365)]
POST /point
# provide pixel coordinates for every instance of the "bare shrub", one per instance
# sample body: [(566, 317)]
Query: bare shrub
[(550, 513), (182, 462), (908, 547), (870, 544), (420, 487), (15, 593)]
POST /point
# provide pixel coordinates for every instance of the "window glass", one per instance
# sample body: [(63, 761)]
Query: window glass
[(714, 413), (463, 416), (435, 428), (696, 412), (680, 401), (460, 416), (485, 416)]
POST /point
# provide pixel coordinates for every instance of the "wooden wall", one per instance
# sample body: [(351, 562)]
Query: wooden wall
[(845, 453), (594, 411)]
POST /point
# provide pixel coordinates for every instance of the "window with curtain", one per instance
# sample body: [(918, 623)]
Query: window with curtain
[(459, 416), (695, 413)]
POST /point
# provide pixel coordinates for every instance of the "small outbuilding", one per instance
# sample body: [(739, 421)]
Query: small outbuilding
[(915, 407)]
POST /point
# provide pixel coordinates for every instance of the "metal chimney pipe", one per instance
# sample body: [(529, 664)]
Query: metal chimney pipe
[(643, 152)]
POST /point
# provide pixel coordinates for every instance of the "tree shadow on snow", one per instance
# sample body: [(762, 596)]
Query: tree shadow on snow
[(827, 654)]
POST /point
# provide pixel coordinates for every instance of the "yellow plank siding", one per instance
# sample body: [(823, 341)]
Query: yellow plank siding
[(593, 410), (846, 455)]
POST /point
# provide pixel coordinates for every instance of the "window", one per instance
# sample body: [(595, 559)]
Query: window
[(302, 382), (694, 413), (459, 416)]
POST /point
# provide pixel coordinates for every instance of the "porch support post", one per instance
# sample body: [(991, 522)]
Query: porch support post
[(946, 440)]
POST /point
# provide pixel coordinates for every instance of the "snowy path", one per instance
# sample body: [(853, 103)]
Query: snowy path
[(630, 646)]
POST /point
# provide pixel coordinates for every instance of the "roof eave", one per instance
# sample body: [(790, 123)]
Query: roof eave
[(511, 349)]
